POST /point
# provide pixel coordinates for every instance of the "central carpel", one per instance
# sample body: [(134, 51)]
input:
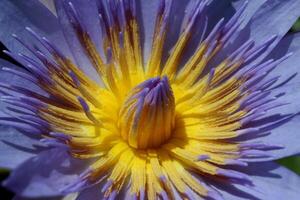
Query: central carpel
[(146, 118)]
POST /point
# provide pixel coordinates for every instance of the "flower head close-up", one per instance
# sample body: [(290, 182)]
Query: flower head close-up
[(149, 99)]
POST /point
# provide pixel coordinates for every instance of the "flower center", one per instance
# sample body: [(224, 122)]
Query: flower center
[(147, 116)]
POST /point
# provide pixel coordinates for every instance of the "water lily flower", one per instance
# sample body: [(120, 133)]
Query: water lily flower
[(160, 99)]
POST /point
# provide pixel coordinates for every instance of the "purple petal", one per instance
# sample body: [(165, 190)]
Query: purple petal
[(251, 9), (16, 15), (88, 15), (290, 67), (214, 12), (262, 19), (177, 15), (270, 181), (146, 16), (93, 192), (15, 147), (272, 18), (287, 133), (45, 175), (283, 134), (10, 78), (6, 77)]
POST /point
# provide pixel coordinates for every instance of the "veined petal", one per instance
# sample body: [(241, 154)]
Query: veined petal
[(91, 193), (251, 9), (263, 19), (270, 181), (16, 15), (286, 134), (273, 18), (149, 9), (15, 147), (88, 17), (288, 70), (45, 174), (9, 76), (147, 18)]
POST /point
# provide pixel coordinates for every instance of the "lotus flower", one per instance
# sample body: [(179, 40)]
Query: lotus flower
[(160, 99)]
